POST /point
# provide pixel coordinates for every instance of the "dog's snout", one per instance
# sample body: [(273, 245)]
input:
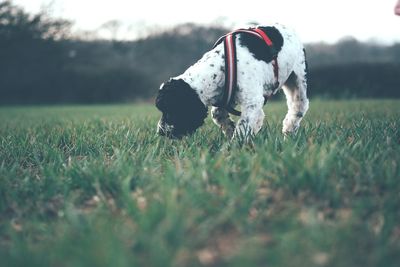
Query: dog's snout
[(161, 132), (161, 128), (165, 129)]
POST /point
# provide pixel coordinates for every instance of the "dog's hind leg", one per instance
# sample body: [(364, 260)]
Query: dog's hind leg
[(295, 90), (221, 118)]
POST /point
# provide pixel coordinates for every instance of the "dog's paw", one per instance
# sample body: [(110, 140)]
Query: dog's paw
[(228, 132), (290, 128), (289, 133)]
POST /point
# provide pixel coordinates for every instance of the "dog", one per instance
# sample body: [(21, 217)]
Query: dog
[(184, 100)]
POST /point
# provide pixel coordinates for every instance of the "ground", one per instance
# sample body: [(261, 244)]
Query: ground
[(95, 186)]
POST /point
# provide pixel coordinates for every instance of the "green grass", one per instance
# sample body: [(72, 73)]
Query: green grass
[(95, 186)]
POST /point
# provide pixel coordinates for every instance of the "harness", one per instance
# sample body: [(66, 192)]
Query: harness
[(231, 66)]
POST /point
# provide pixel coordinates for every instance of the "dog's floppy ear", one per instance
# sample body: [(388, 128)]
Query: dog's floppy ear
[(176, 96), (160, 99), (167, 97), (183, 105)]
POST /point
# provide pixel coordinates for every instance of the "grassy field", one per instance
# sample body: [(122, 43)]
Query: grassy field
[(95, 186)]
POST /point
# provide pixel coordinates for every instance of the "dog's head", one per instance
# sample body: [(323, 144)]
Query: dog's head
[(182, 110)]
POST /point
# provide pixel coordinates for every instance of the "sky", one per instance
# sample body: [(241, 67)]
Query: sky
[(314, 20)]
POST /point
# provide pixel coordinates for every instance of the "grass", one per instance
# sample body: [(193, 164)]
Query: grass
[(95, 186)]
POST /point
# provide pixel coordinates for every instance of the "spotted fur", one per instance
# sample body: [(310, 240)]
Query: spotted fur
[(255, 79)]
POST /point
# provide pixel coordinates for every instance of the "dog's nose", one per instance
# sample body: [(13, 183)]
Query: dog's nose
[(160, 128), (163, 132), (160, 131), (169, 131)]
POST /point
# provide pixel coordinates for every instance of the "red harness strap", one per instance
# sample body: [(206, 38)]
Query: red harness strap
[(231, 66)]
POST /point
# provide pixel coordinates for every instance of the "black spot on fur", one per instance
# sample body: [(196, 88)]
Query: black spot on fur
[(258, 47), (182, 110)]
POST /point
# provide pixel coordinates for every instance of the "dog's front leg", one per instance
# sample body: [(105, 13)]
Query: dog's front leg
[(221, 118), (250, 122)]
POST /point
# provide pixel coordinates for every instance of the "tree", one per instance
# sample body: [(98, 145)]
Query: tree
[(30, 52), (16, 24)]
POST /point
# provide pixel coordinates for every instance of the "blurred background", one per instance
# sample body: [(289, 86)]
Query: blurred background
[(60, 52)]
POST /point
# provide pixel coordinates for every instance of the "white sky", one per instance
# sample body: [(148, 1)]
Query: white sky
[(314, 20)]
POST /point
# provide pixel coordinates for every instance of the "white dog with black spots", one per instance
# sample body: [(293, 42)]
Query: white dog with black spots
[(184, 99)]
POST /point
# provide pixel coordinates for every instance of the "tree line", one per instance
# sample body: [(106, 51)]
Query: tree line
[(40, 62)]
